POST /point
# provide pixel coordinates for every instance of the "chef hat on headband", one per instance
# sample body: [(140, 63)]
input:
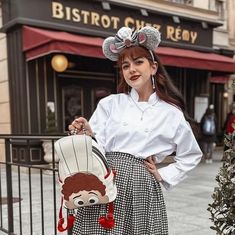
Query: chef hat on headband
[(147, 37)]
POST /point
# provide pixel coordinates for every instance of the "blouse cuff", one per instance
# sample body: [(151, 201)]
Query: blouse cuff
[(173, 178)]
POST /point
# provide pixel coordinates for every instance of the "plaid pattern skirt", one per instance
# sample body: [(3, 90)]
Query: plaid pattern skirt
[(139, 208)]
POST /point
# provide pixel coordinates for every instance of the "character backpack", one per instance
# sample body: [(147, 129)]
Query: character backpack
[(85, 178)]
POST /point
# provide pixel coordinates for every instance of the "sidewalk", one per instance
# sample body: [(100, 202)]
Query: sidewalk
[(186, 203)]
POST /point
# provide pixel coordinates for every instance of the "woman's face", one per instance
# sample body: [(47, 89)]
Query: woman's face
[(137, 72)]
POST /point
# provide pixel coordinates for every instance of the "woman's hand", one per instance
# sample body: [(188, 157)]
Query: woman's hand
[(79, 126), (150, 162)]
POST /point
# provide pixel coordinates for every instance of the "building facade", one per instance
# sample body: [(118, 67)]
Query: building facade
[(5, 120), (70, 33)]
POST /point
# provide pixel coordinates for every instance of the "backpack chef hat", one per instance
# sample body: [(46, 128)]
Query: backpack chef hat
[(83, 168), (80, 153), (147, 37)]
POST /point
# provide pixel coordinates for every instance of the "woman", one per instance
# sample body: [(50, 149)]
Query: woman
[(138, 128)]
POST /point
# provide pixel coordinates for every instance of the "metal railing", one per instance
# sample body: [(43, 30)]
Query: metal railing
[(29, 193)]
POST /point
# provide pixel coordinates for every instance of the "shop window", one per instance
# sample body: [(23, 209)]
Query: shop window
[(99, 93), (220, 9), (187, 2), (72, 99), (212, 5), (218, 6)]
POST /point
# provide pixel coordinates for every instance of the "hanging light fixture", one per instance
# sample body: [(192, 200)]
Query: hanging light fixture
[(59, 63)]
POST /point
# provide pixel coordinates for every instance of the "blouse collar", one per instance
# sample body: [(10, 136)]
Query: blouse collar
[(135, 96)]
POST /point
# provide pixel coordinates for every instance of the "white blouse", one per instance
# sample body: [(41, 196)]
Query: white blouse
[(122, 124)]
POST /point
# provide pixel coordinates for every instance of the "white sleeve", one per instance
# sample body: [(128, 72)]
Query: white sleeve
[(98, 120), (188, 155)]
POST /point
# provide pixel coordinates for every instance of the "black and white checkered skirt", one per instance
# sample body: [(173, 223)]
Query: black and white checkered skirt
[(139, 208)]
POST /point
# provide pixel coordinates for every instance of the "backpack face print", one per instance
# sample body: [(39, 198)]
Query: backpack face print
[(87, 190)]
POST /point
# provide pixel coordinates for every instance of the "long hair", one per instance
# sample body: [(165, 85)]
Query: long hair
[(165, 89)]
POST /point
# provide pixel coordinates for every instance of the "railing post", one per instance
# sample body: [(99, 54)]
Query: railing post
[(9, 187), (70, 232), (11, 224)]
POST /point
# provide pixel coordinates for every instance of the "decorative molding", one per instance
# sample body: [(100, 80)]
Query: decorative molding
[(171, 7)]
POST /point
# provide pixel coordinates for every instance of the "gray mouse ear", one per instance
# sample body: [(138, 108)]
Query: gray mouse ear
[(149, 37), (109, 48)]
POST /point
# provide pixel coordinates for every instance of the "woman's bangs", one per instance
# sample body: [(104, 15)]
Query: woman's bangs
[(132, 53)]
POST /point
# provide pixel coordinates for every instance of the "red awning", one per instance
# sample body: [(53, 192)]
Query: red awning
[(38, 42), (194, 59), (219, 79)]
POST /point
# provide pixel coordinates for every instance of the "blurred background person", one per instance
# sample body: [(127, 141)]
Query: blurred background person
[(208, 133), (229, 125), (228, 117)]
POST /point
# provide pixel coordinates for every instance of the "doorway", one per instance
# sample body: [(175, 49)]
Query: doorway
[(79, 97)]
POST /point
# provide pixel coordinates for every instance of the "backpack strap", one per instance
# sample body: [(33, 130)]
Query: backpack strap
[(108, 221), (70, 220)]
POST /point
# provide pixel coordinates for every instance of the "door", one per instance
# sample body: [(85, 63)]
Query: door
[(79, 97), (216, 98)]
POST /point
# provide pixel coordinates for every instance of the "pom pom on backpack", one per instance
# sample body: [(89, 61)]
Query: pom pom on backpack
[(108, 221)]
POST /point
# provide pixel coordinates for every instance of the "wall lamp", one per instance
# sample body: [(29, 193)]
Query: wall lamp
[(225, 94), (106, 6), (144, 12), (204, 25), (176, 19), (59, 63)]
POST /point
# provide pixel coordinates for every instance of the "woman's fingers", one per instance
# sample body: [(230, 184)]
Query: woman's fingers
[(80, 126), (149, 165), (78, 123), (152, 168), (71, 127), (151, 159)]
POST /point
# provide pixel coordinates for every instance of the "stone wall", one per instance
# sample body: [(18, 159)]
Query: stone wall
[(5, 123), (231, 20)]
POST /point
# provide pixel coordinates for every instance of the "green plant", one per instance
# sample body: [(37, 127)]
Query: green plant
[(51, 126), (223, 207)]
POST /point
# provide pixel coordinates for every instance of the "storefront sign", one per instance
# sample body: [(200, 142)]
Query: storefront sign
[(112, 22), (88, 17)]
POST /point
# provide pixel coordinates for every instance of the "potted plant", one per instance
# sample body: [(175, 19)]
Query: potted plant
[(222, 208)]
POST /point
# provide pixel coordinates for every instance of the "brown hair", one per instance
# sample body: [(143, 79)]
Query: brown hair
[(164, 87), (81, 181)]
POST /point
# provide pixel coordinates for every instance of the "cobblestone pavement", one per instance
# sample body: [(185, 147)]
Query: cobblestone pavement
[(186, 203)]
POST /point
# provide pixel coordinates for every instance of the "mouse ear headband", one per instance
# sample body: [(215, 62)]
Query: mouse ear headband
[(147, 37)]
